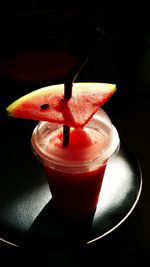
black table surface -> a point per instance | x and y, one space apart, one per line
27 217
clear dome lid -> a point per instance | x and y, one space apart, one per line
88 147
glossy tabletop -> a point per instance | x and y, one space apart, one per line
27 215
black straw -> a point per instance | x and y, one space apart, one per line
68 84
66 135
73 75
68 92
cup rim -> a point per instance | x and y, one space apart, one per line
54 162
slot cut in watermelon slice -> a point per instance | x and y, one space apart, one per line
48 104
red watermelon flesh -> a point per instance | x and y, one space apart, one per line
48 104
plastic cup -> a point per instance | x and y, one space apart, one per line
75 175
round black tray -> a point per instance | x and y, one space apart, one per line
27 215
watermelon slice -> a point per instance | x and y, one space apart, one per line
48 104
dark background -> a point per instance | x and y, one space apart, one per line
122 56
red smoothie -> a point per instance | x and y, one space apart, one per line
75 173
75 195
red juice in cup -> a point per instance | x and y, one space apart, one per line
75 173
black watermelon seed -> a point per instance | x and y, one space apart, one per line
44 106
